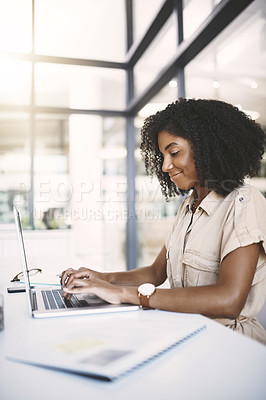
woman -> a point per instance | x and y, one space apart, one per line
214 256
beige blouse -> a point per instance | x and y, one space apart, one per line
198 243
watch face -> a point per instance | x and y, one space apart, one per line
146 289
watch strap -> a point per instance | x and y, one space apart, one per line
144 301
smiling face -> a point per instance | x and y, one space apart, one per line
178 160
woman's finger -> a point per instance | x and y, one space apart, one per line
77 275
77 286
76 290
65 275
76 282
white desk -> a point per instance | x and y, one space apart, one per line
216 364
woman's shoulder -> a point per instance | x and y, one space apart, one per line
245 221
249 209
247 193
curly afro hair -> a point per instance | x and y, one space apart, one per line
228 145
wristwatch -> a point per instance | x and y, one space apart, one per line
144 293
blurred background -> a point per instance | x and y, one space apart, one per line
77 79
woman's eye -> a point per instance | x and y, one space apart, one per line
175 153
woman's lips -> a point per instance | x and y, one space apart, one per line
175 175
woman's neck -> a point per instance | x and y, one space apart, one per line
199 194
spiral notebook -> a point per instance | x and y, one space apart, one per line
112 347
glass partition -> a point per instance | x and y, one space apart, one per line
15 26
97 208
14 167
194 13
143 14
153 212
232 68
80 183
157 55
58 85
15 82
52 189
84 29
79 164
114 192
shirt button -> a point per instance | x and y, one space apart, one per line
241 199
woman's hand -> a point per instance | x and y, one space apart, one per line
67 275
88 281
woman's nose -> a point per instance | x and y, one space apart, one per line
167 165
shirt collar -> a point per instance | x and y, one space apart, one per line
208 204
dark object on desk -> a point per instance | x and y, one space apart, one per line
16 289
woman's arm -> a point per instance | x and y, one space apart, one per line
225 299
155 273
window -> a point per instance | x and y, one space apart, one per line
15 26
69 91
52 189
79 87
232 68
153 212
15 82
195 13
143 14
15 163
156 56
98 209
81 29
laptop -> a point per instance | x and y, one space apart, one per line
50 302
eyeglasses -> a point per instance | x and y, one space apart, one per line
32 271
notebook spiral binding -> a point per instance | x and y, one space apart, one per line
166 350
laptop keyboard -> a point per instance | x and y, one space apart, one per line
54 299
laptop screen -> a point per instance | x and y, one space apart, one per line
23 258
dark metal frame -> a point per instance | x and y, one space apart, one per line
218 20
131 229
222 15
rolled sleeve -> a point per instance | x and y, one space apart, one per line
245 225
